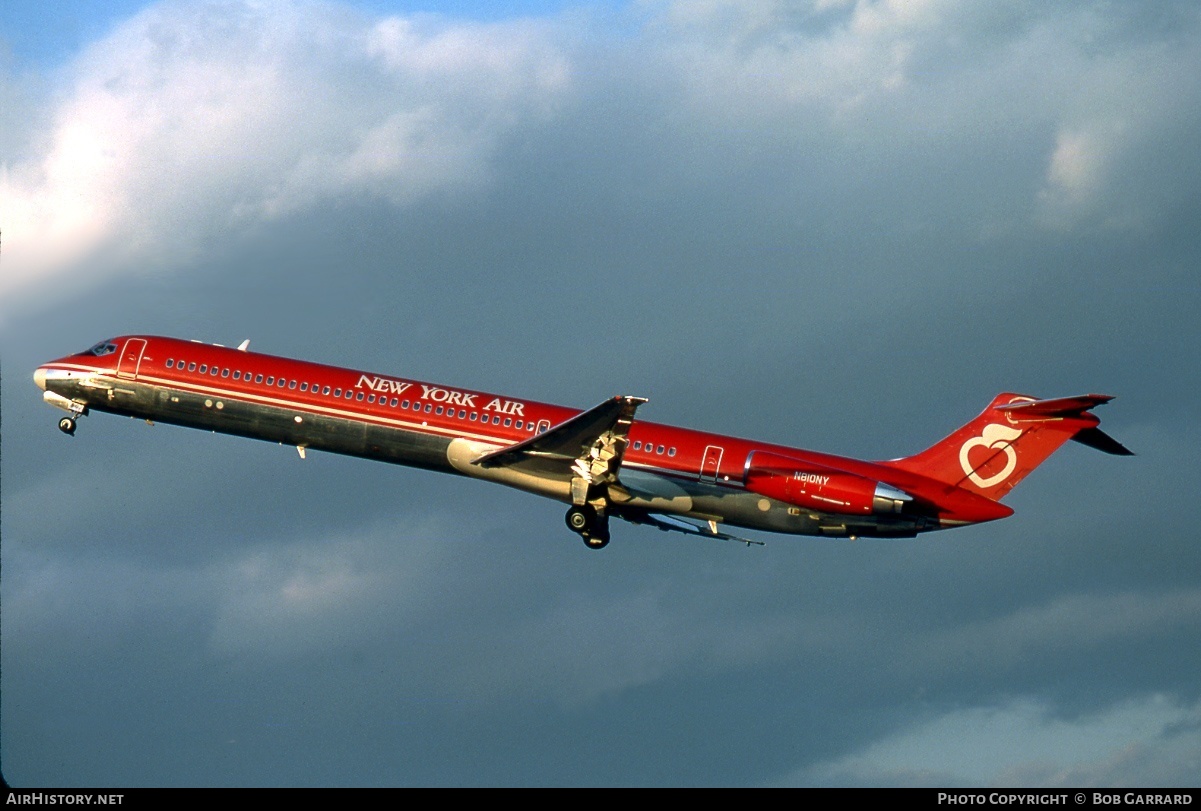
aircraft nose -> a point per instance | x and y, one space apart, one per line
39 377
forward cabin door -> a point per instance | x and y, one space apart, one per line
131 358
711 463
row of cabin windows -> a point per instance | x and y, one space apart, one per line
351 394
650 447
464 414
415 405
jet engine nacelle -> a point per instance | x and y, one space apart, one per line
817 487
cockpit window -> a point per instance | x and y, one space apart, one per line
102 348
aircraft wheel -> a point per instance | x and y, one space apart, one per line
67 426
580 519
594 542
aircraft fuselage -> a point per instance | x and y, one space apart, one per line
660 471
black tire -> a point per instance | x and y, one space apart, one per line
67 426
580 519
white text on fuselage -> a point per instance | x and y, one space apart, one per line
812 478
385 385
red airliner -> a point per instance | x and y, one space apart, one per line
602 462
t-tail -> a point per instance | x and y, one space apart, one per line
1010 438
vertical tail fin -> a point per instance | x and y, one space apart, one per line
1010 438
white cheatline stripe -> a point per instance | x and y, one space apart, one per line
305 408
358 416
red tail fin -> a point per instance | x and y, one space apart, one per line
1014 435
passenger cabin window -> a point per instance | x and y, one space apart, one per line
258 378
225 372
204 368
192 366
325 390
170 363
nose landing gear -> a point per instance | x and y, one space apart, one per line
589 525
67 426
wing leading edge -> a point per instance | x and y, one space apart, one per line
589 445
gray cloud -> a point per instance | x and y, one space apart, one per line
191 120
1040 749
839 225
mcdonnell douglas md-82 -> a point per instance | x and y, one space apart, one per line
601 462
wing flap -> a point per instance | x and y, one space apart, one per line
669 523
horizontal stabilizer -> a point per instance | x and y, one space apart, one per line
1096 438
1069 407
1057 407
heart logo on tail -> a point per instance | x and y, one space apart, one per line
993 437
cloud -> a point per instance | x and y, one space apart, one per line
1053 110
192 124
1070 625
1077 168
325 595
838 224
1025 742
588 647
192 121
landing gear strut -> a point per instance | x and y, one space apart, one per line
67 426
593 528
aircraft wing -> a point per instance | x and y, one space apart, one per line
669 523
588 447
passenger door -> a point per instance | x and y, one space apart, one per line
711 463
131 358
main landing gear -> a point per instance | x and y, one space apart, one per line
67 426
585 522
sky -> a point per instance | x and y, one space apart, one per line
834 224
